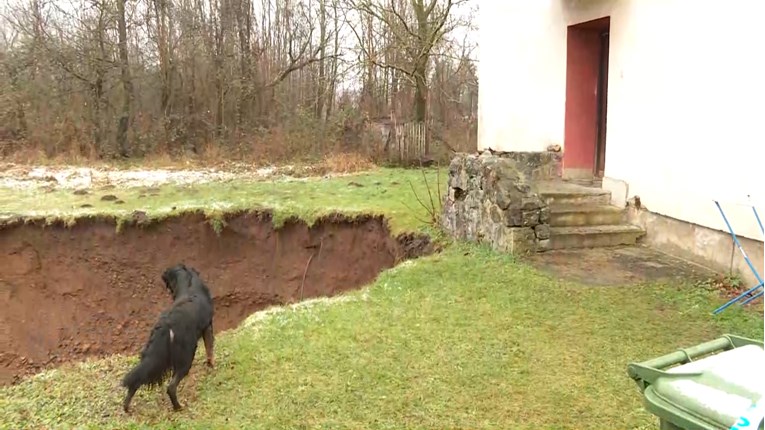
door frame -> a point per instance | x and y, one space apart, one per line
584 146
602 121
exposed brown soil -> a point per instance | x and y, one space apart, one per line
87 290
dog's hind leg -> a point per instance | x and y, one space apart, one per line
209 340
172 387
128 399
183 358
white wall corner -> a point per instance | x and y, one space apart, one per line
619 191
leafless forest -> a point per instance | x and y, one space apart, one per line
234 79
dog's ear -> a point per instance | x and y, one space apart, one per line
169 280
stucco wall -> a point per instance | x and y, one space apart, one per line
686 97
520 102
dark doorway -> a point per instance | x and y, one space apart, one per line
586 99
600 149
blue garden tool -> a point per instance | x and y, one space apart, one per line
753 290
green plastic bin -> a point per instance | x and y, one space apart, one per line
717 385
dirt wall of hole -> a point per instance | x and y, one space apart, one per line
88 290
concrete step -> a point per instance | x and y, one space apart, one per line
580 215
595 236
562 193
592 182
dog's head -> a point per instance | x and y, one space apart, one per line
177 279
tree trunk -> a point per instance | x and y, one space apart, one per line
218 28
321 86
421 90
127 83
163 49
98 87
336 51
243 20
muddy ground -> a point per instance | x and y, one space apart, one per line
86 290
618 266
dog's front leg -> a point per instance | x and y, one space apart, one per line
209 339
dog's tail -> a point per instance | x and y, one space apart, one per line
155 361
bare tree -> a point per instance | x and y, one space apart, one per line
126 78
416 37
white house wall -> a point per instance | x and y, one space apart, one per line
686 100
519 73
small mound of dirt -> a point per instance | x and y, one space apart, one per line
413 245
87 290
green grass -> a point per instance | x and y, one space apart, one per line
464 339
383 191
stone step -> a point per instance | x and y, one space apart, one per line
580 215
592 182
562 193
595 236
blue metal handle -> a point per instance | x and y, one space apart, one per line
756 215
746 258
734 300
753 297
738 244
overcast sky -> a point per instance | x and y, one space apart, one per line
348 39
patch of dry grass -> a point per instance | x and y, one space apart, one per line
210 156
347 162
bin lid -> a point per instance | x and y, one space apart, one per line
730 382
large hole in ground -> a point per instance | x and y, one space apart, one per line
87 290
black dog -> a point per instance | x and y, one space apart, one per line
173 340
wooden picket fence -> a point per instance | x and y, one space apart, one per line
406 143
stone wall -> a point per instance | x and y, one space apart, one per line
492 199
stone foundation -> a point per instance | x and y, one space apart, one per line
707 247
492 199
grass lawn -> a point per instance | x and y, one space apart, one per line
382 191
466 339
